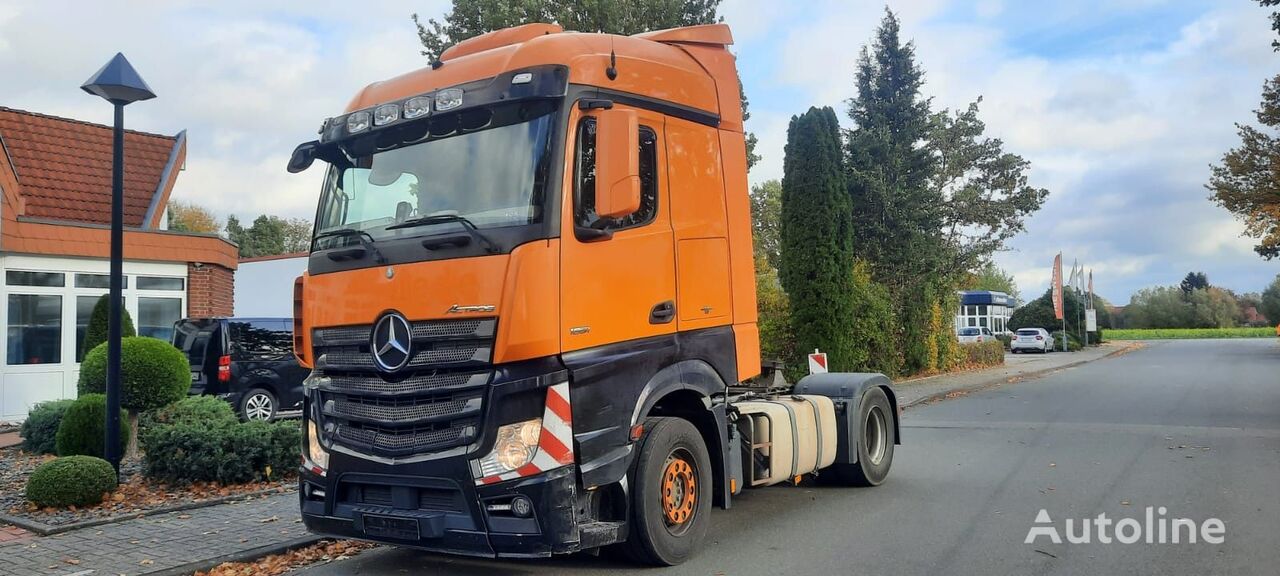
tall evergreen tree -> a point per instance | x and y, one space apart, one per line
817 258
897 215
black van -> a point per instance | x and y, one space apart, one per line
248 362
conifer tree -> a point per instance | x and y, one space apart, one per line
817 258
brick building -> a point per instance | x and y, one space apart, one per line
55 216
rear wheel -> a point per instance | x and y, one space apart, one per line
875 442
671 499
258 404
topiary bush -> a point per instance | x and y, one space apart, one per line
213 450
40 430
96 332
71 481
83 427
153 373
195 409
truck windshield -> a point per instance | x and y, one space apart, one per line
492 175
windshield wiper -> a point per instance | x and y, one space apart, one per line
366 244
466 224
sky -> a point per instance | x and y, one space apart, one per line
1120 106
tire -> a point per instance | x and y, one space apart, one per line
666 529
258 404
875 442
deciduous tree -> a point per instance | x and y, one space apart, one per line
1246 181
766 221
993 278
190 217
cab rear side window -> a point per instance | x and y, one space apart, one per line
584 187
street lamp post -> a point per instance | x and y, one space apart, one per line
119 84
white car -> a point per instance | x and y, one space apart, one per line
1037 339
971 334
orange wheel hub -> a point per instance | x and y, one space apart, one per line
679 491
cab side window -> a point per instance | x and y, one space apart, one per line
584 185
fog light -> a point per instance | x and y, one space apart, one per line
521 507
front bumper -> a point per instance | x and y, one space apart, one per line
440 514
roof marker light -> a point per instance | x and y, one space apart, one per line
386 114
448 99
358 122
522 78
417 106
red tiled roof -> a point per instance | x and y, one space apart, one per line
63 168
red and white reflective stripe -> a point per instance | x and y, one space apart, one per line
555 445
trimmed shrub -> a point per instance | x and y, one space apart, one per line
40 430
229 453
71 481
1005 339
1073 343
84 425
989 353
96 332
194 409
152 373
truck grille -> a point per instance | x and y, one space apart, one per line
433 404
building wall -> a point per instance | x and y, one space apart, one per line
211 291
264 288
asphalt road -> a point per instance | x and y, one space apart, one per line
1193 426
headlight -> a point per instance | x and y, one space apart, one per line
386 114
448 99
515 446
317 457
417 106
358 122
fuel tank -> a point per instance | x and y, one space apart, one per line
785 437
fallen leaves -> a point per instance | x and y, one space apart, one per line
327 551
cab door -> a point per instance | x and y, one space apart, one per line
618 275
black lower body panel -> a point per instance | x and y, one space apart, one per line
438 514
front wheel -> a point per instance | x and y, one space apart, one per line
875 442
671 500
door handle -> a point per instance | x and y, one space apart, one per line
662 312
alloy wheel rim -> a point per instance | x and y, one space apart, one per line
258 407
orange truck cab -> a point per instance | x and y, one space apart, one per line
530 311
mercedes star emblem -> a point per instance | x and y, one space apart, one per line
391 342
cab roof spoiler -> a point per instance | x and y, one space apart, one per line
712 34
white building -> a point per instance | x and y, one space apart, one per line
985 308
55 199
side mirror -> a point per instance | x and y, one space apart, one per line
617 163
303 156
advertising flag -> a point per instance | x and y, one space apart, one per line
1057 286
1091 288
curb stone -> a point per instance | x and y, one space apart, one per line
1018 378
42 529
242 556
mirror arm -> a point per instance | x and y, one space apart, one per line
587 234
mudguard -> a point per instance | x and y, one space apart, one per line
846 389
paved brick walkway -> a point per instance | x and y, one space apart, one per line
157 542
8 439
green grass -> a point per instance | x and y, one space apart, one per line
1184 333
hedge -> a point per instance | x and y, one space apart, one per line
40 430
204 410
229 453
71 481
152 373
83 427
989 353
